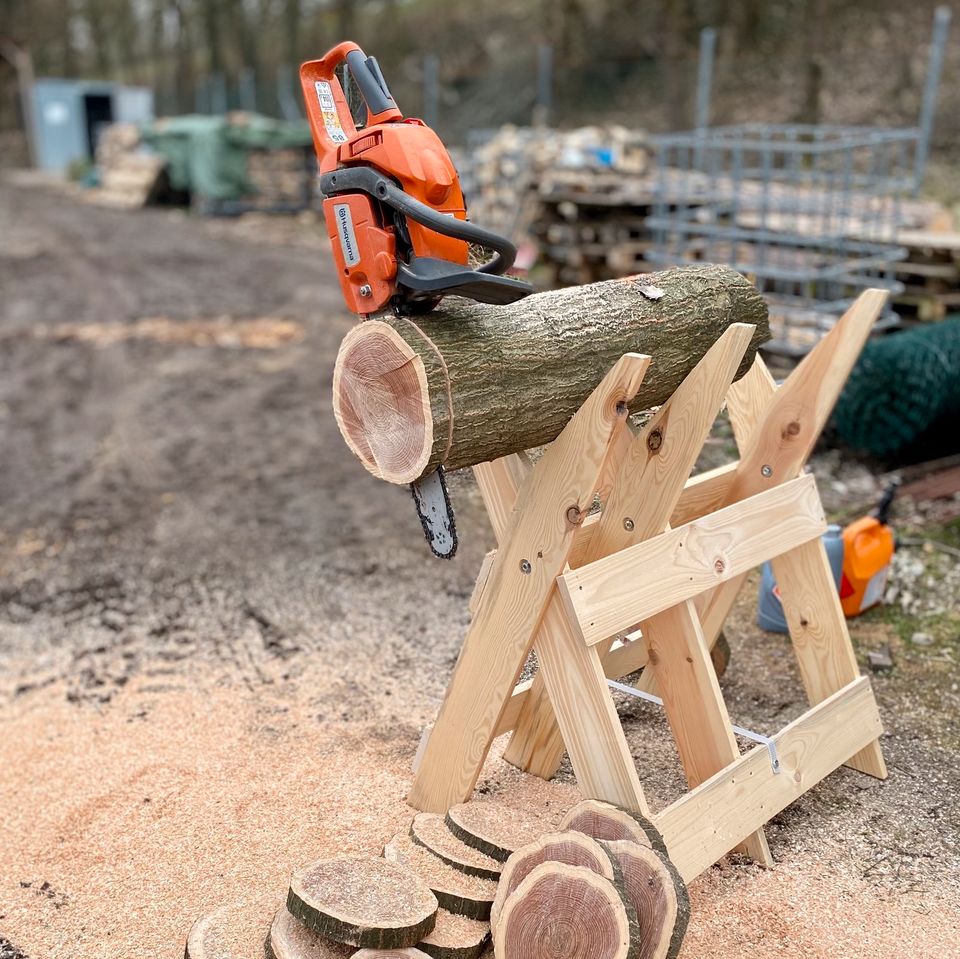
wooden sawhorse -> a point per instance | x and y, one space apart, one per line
666 555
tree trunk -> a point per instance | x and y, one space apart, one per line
469 383
591 917
363 902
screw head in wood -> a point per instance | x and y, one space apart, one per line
766 470
628 524
525 566
655 440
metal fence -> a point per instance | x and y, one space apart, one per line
811 213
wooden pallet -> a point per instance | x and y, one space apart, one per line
669 554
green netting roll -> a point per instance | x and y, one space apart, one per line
901 385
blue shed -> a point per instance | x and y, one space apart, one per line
69 114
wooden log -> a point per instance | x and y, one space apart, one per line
658 895
495 829
289 938
430 830
456 937
572 848
457 892
565 912
601 820
363 902
469 383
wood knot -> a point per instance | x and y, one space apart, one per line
792 429
574 516
720 566
655 440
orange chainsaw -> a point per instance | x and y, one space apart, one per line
393 205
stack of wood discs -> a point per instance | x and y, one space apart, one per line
598 887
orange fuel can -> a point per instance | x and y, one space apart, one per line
868 546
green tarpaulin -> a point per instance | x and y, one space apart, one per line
207 155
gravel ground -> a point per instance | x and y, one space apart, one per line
220 638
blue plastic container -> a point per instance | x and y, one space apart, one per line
770 609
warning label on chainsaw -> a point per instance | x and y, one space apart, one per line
348 239
328 107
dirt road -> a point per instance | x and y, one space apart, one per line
220 638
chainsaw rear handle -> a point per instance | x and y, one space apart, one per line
367 180
367 75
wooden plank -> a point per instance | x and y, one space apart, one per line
621 590
703 494
536 544
585 714
819 633
706 823
747 400
680 659
641 494
500 482
795 415
478 587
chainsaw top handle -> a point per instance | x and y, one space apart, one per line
332 122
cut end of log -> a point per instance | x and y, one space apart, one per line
363 902
456 937
430 831
382 402
569 848
564 912
601 820
655 890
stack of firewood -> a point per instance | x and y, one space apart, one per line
129 174
597 885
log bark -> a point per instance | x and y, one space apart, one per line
600 820
658 895
456 937
363 902
565 912
570 848
290 939
456 892
469 382
430 831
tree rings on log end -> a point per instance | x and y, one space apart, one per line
430 830
601 820
363 902
570 848
381 400
657 892
564 912
456 892
290 939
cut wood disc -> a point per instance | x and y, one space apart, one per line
430 830
657 893
363 902
456 937
601 820
290 939
209 939
496 830
564 912
571 848
457 892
